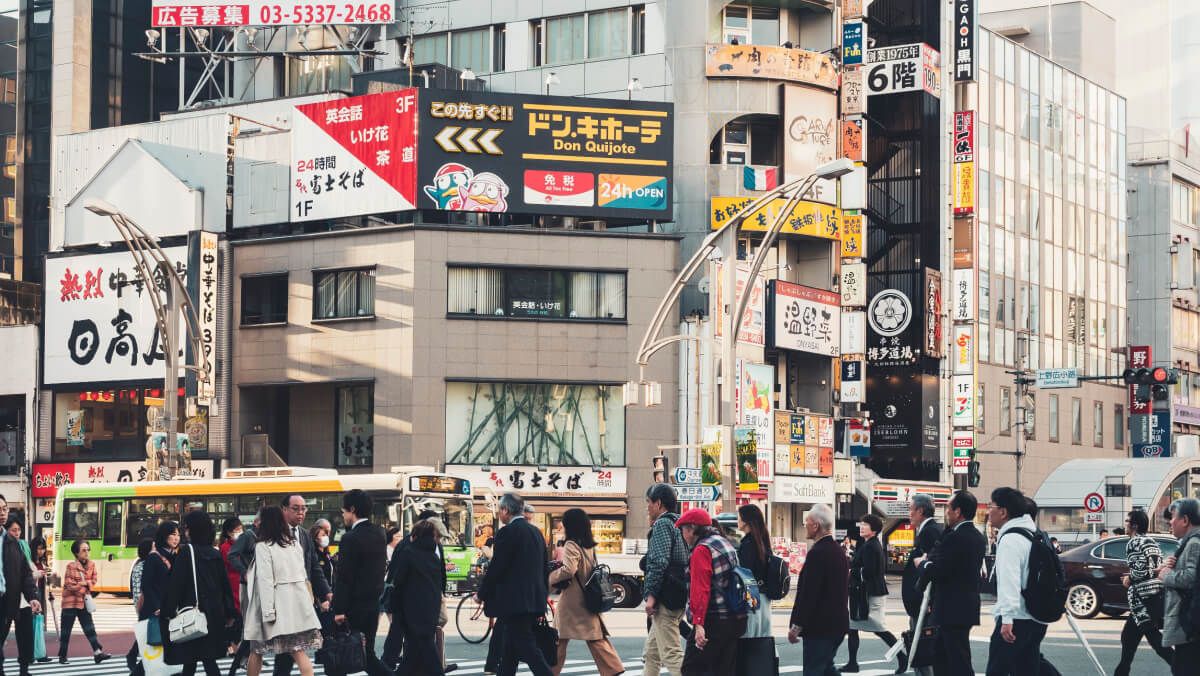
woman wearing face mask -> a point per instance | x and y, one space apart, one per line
231 530
320 537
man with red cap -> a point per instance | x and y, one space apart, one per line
712 648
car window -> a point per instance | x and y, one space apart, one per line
1168 546
1116 549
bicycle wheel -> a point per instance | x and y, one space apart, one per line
473 626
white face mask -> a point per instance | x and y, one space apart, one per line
323 540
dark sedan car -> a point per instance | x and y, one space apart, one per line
1094 575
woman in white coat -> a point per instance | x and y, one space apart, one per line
279 615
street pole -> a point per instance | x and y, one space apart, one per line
171 381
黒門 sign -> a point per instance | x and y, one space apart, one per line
99 321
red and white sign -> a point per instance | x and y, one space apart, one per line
171 13
1139 358
554 481
1094 502
356 156
559 188
964 136
48 476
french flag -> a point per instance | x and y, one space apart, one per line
760 178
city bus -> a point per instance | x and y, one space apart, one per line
114 517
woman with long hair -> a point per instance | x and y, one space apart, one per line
575 621
280 617
866 576
1145 592
156 572
41 572
754 552
198 580
78 581
231 530
321 534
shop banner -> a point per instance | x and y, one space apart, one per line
771 63
853 101
99 321
964 136
805 319
843 476
202 288
803 490
934 331
963 346
530 154
903 68
854 36
852 9
854 284
964 188
889 315
852 234
853 388
964 242
962 307
806 218
810 140
893 498
852 139
1139 358
356 156
756 401
554 481
964 40
745 441
753 328
964 401
49 476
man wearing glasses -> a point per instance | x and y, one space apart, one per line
294 511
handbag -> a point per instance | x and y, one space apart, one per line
89 604
189 623
926 651
546 638
342 652
860 603
756 657
39 636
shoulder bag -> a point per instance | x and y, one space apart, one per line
673 593
189 623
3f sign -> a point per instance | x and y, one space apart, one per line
405 103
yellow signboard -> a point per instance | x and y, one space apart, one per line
807 218
772 63
964 188
852 235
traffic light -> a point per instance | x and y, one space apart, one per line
1151 383
661 469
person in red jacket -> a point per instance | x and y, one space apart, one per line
821 613
712 649
231 530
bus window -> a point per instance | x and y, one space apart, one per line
81 520
145 514
112 522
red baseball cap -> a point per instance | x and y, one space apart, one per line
694 517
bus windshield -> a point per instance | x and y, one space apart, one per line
455 513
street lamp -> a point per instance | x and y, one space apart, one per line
551 79
635 85
148 256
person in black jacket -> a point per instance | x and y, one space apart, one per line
294 510
18 583
514 589
867 567
419 577
953 568
360 574
820 614
206 586
926 533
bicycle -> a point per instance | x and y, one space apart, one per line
474 626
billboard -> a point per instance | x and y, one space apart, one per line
853 41
771 63
489 152
354 156
810 137
903 68
806 218
805 319
173 13
753 329
99 321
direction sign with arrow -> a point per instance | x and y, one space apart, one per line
1094 502
698 493
454 139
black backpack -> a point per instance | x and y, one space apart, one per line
779 578
1045 590
599 595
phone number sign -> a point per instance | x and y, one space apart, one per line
168 14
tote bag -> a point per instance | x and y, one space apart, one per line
153 656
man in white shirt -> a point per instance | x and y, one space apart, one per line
1017 639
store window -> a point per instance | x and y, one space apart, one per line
512 423
604 34
536 293
608 34
748 140
355 425
565 39
111 424
751 25
471 50
343 294
264 299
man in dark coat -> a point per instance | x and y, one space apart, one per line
419 577
294 510
18 582
926 533
953 568
514 589
359 578
821 612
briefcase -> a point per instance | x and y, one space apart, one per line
926 648
342 651
756 657
546 637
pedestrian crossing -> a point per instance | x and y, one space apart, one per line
81 666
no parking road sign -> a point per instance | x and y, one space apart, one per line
1094 502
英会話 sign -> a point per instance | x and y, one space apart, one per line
1049 379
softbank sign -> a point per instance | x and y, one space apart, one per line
803 490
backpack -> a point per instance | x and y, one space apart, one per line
599 594
779 578
1045 591
741 592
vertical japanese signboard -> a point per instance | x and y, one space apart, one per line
1139 358
355 156
964 40
202 287
964 163
934 333
99 322
854 37
852 91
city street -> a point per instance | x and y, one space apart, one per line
1061 648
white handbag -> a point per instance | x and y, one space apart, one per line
189 623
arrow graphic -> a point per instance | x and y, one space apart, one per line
466 140
472 140
445 139
487 141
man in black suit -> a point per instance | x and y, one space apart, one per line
926 533
294 510
362 555
953 568
514 589
18 582
821 614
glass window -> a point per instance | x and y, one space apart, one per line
146 513
1115 549
565 39
535 293
429 49
108 424
1097 423
470 50
344 293
355 425
608 34
1076 421
1118 426
979 410
81 520
737 25
1005 411
544 293
638 30
499 44
1052 421
113 510
764 26
764 143
264 299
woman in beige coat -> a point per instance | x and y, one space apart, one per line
575 621
279 615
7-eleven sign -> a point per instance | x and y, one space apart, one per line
354 156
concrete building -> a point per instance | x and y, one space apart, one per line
1051 263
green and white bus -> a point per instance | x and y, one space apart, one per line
113 517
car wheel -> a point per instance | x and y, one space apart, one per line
1082 601
628 594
